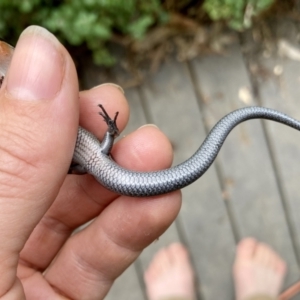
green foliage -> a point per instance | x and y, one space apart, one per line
94 22
238 13
82 21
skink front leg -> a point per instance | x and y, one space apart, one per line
111 133
107 142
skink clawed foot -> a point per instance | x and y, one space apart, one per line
111 123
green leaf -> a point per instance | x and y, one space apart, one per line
138 28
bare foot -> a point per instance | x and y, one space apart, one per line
257 270
170 274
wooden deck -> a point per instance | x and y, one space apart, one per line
253 188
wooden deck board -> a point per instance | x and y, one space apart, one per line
286 152
253 187
281 92
126 287
244 160
203 218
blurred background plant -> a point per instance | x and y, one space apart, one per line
92 23
238 13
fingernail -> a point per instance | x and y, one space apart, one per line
148 125
110 84
37 68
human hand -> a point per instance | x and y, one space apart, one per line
40 206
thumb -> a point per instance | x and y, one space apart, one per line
38 128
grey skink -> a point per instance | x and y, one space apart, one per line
93 157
